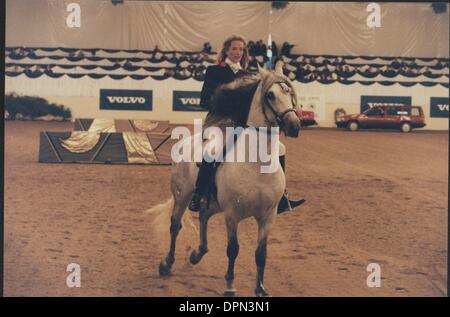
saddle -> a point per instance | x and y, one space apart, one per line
206 179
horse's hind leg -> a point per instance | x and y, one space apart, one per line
175 226
261 254
182 187
232 253
180 202
198 254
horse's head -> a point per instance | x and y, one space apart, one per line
280 100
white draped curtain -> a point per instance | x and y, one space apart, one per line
407 29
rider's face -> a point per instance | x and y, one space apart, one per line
236 51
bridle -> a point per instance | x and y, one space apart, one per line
279 116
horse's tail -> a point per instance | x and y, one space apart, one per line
166 206
163 213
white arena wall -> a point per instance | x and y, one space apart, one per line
333 96
82 96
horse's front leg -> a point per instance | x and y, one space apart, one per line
232 253
261 253
260 259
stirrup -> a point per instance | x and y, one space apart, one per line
195 203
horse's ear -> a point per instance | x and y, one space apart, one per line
263 72
279 67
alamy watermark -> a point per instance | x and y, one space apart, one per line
73 19
374 278
374 18
262 146
74 278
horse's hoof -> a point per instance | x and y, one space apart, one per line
195 257
230 293
164 268
261 292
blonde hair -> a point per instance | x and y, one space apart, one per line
227 44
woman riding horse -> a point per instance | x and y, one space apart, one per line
231 64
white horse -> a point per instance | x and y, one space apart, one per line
242 190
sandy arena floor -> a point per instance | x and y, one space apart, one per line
371 197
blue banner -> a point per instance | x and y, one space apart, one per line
439 107
126 99
186 101
370 101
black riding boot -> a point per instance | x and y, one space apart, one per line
201 185
285 203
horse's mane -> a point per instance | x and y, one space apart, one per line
231 102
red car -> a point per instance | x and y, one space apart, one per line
404 118
307 118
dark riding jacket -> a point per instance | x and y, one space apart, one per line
215 76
